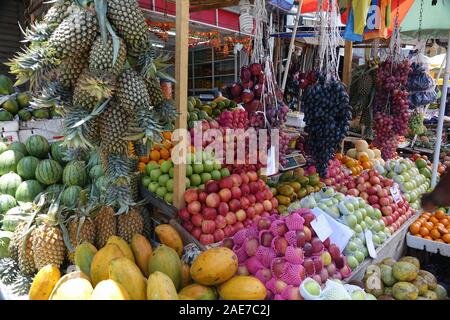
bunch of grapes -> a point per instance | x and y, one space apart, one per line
391 105
277 115
257 120
327 115
285 149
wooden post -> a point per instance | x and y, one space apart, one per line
181 91
348 57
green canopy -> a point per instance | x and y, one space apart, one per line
435 20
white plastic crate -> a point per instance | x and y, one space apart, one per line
55 125
10 136
9 126
51 136
428 245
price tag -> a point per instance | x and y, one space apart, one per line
321 227
395 192
369 244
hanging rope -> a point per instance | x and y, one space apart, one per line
394 46
260 15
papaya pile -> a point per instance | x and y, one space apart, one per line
120 271
197 110
402 280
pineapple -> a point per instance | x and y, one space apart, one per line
75 35
154 90
79 234
21 286
135 181
105 225
101 57
26 254
16 240
83 136
48 244
129 224
147 221
57 12
113 125
9 270
129 21
70 70
131 91
119 194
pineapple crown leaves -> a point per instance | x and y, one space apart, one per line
97 86
153 65
52 94
36 33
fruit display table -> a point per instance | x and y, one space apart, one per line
394 247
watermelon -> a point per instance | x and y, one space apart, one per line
48 172
26 167
71 196
58 152
13 217
19 147
96 172
54 190
75 174
6 202
41 113
101 182
28 190
24 115
9 160
37 146
5 115
3 147
5 237
6 85
9 183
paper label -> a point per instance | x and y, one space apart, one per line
321 227
369 244
271 168
341 234
395 192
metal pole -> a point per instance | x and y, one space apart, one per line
291 45
437 148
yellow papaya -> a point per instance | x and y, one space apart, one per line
214 266
160 287
185 275
123 245
84 253
167 261
127 273
242 288
283 200
74 289
65 278
295 185
170 237
142 250
199 292
109 290
285 190
101 260
44 282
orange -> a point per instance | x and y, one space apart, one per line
440 214
167 135
421 220
363 158
161 161
156 147
167 145
444 221
433 220
429 225
424 232
155 155
165 154
435 234
414 228
367 165
141 167
446 237
425 216
418 235
339 156
428 238
144 159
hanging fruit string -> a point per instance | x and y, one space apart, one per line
260 15
395 46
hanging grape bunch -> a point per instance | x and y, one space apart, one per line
391 106
327 115
415 124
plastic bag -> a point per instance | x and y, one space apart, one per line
418 79
422 98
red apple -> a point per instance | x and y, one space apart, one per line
212 186
386 210
262 185
374 180
259 208
384 201
266 238
197 220
268 194
334 251
251 246
225 195
206 239
236 193
251 212
317 245
194 207
196 232
252 198
308 233
230 217
264 224
213 200
241 215
278 267
318 264
253 176
308 218
209 213
307 249
191 195
238 226
364 195
208 226
280 245
245 203
301 238
245 189
229 231
373 199
274 202
382 193
245 178
372 191
221 222
202 196
260 197
237 180
223 208
254 187
188 225
234 205
184 214
219 235
353 192
226 183
308 264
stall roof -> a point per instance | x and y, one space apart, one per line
200 5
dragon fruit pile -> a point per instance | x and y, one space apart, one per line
283 251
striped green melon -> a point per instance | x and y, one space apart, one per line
58 152
26 167
75 174
101 182
48 172
28 190
13 217
3 146
54 190
7 202
9 160
37 146
96 172
19 147
9 183
71 196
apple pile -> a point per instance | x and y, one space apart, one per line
376 191
282 251
226 206
337 174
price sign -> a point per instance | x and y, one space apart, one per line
321 227
395 192
369 244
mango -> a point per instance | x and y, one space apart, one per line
160 287
44 282
170 237
296 186
283 200
74 289
404 271
142 250
123 245
109 290
185 275
285 190
242 288
127 273
405 291
84 253
167 261
65 278
214 266
198 292
100 263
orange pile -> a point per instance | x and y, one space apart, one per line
160 152
355 166
432 227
